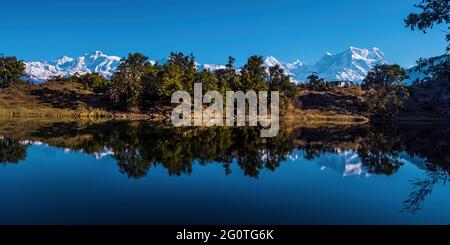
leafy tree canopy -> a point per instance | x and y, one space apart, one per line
385 90
127 83
434 12
11 70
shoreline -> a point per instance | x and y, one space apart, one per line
296 117
70 101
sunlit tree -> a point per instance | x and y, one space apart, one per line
385 90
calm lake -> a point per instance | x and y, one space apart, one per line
140 173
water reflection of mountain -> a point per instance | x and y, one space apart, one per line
346 163
136 146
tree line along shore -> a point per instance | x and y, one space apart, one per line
142 89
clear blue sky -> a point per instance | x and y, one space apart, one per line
213 30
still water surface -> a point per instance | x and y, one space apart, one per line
139 173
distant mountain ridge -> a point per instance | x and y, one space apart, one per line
351 65
415 74
64 66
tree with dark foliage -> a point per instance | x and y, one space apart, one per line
386 92
316 83
11 70
253 75
127 83
434 12
279 81
92 81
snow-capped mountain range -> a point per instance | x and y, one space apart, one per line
348 162
352 64
64 66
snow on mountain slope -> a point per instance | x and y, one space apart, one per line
210 67
415 74
352 64
288 68
64 66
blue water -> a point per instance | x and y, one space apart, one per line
57 186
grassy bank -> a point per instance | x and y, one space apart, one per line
70 101
58 100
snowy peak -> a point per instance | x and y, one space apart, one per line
377 54
352 64
370 56
64 66
294 64
210 67
272 61
97 54
62 60
357 53
289 68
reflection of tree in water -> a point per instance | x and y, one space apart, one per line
377 147
317 141
421 188
254 153
315 151
11 151
138 146
128 152
431 143
379 152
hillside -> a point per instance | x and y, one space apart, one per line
350 65
428 102
56 100
339 105
70 100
